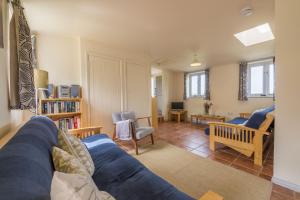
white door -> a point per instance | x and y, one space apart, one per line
105 90
138 87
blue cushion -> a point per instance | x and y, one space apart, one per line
26 167
258 117
126 178
237 120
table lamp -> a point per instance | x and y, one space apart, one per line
41 84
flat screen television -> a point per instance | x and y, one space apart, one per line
177 106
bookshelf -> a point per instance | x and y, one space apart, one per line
65 112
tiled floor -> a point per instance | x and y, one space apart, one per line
192 138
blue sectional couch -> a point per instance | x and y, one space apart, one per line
26 167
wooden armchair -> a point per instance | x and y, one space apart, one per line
138 133
85 132
241 138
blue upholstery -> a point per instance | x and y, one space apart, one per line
237 120
126 178
258 117
26 167
255 120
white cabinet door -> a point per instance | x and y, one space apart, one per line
138 89
105 90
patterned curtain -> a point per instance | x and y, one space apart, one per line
22 93
274 78
243 82
185 88
207 88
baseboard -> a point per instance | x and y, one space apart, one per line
4 130
286 184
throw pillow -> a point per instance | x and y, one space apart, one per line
66 163
75 147
76 187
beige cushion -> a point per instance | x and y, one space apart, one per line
75 147
76 187
66 163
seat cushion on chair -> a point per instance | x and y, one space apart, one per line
237 120
143 132
258 117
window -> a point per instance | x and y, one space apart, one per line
261 78
196 84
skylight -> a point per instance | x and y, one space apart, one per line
256 35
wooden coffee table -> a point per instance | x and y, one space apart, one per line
207 118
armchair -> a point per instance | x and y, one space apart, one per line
138 133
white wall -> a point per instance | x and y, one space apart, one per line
60 56
287 135
4 112
224 83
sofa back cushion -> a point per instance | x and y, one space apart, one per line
26 166
258 117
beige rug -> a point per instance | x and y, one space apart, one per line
195 175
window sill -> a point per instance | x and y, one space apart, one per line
255 97
195 97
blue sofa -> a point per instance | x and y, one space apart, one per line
255 120
26 167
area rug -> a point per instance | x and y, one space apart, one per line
195 175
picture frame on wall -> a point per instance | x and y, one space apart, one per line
1 25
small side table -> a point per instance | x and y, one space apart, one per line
178 113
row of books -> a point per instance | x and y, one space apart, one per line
68 123
60 107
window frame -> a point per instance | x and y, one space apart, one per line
199 74
266 78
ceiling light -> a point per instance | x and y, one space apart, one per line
195 62
256 35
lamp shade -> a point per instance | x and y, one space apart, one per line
195 62
40 78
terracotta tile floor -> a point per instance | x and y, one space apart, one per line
192 138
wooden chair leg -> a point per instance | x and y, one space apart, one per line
152 139
135 144
212 145
258 150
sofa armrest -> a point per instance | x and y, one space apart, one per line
85 132
211 196
229 126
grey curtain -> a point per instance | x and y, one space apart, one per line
207 88
21 87
243 96
184 83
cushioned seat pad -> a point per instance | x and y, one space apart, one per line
237 120
126 178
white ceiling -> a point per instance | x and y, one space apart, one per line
170 31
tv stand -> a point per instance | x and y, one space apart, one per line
178 113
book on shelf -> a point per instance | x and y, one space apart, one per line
60 107
68 123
